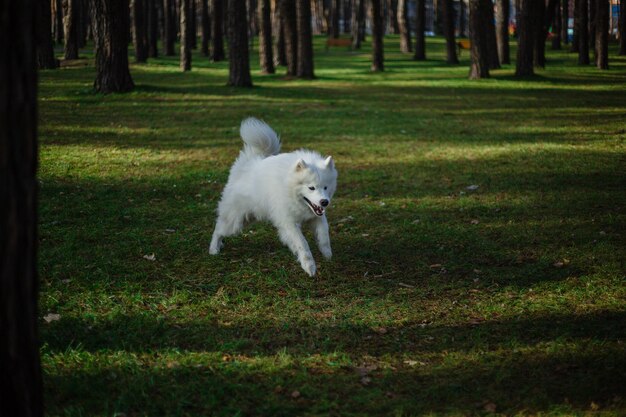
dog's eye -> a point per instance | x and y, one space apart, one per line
311 188
326 188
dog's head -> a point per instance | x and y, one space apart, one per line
317 183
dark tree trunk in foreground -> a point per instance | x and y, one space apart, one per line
139 30
45 47
490 31
525 43
266 59
420 27
377 37
622 28
502 31
70 28
20 369
583 34
217 35
448 30
305 40
479 54
153 28
110 21
205 24
169 28
239 60
290 28
564 21
185 35
403 26
602 34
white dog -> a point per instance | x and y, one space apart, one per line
287 189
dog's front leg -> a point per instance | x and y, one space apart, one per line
292 236
323 239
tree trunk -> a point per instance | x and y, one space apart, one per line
20 367
185 35
403 26
583 34
290 28
217 35
70 28
539 37
305 40
622 27
111 23
280 59
392 26
193 38
462 14
576 37
592 28
490 31
479 54
139 30
602 34
239 59
169 28
45 47
266 60
206 28
525 42
564 21
420 28
58 21
448 30
377 36
502 31
357 15
334 19
153 29
556 27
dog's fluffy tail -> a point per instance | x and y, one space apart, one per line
259 138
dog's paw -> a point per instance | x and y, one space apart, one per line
326 252
308 265
214 248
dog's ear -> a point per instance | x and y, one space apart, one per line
329 163
301 165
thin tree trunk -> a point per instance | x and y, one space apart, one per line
334 19
266 60
357 16
169 28
239 60
305 40
392 26
403 26
490 31
564 21
280 58
45 47
153 29
185 35
592 28
377 37
70 28
539 37
448 28
139 30
20 366
111 23
217 35
206 28
502 31
556 27
525 43
576 36
479 54
193 37
462 16
420 27
58 21
602 34
290 28
622 28
583 35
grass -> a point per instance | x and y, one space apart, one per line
506 300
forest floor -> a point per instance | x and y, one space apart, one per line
478 238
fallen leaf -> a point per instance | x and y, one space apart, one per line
380 330
472 187
475 221
49 318
366 380
435 266
295 394
151 257
490 407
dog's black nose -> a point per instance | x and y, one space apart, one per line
324 202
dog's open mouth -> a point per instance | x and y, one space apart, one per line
318 210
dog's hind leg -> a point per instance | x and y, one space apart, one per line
292 236
323 239
227 225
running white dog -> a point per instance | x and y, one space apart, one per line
287 189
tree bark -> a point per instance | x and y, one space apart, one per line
448 30
20 368
45 47
525 42
290 28
70 28
602 34
479 54
403 26
576 38
334 19
377 37
139 30
564 21
217 35
622 28
169 28
539 10
583 34
58 21
502 31
266 59
420 27
462 15
239 59
206 27
490 31
305 40
153 28
193 14
592 28
278 29
185 35
358 23
111 23
392 26
556 26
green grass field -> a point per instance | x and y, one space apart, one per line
506 300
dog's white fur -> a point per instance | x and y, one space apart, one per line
287 189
